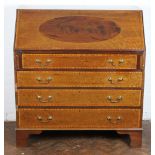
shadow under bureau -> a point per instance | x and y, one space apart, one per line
79 70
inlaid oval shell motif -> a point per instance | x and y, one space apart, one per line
81 29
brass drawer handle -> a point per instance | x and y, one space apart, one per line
40 99
46 81
111 62
115 81
118 99
114 121
121 61
40 119
39 62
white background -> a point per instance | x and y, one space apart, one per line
9 24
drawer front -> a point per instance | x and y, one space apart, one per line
78 118
78 79
79 97
77 61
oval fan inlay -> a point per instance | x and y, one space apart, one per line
81 29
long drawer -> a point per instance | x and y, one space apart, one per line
77 61
78 118
78 97
78 79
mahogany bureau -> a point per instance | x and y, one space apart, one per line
79 70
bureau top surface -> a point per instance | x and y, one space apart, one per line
79 30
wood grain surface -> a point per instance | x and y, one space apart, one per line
78 79
129 23
78 118
78 97
82 29
79 70
79 61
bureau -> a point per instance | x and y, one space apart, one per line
79 70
